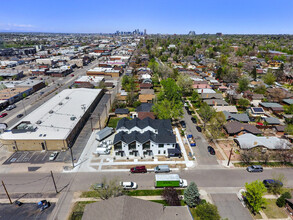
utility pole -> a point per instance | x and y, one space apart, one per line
71 157
54 182
230 156
6 192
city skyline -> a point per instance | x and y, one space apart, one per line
165 17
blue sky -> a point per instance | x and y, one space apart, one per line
157 16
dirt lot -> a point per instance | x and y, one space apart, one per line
226 146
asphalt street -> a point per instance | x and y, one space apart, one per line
215 180
201 153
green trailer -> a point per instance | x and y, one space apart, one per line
169 180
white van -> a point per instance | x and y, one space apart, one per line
162 169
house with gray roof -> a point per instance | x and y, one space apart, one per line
288 101
126 208
205 96
272 121
236 117
249 141
216 102
235 127
272 106
146 137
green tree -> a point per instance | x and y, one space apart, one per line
206 113
207 211
261 89
216 125
243 103
289 109
243 83
254 195
185 84
219 73
254 73
170 90
194 96
108 189
168 109
191 195
269 78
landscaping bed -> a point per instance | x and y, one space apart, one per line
268 164
273 211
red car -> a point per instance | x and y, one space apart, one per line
3 115
138 169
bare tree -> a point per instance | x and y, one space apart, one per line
107 189
246 156
171 196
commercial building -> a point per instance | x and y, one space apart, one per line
55 124
98 71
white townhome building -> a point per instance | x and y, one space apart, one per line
147 137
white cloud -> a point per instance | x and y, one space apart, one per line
21 27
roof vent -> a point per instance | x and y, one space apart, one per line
44 135
51 111
40 135
60 103
39 122
67 97
72 118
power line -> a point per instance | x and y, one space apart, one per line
17 184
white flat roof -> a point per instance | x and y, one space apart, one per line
58 124
95 79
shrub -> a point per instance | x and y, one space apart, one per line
281 201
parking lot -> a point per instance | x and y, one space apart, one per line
33 157
26 211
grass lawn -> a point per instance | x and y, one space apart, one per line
78 210
156 192
113 122
268 164
89 194
273 211
257 216
192 210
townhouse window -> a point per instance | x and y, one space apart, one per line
159 152
118 146
146 145
161 145
132 146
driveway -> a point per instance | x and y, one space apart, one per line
201 153
230 207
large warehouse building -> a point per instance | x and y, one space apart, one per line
55 124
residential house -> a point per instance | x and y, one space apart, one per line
236 117
288 101
146 98
256 111
230 108
216 102
147 137
272 121
235 127
126 208
249 141
122 112
145 86
280 130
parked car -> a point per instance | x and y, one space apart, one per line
138 169
272 183
10 107
193 120
128 185
183 125
42 205
18 203
241 197
100 186
198 128
19 115
211 150
162 169
188 112
254 168
72 75
3 115
53 155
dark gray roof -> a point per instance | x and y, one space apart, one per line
163 136
237 117
160 124
269 104
144 107
126 207
288 101
236 127
121 111
272 121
